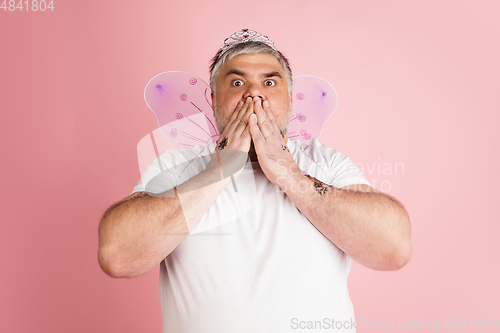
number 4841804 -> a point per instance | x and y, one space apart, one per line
36 5
479 323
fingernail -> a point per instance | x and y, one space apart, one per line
266 103
240 103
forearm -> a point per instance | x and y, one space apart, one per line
371 227
138 233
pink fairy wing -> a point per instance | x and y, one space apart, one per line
314 101
181 104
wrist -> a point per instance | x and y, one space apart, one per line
289 176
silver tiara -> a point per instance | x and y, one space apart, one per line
244 36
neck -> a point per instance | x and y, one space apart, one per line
253 157
252 154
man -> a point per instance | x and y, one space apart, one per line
284 262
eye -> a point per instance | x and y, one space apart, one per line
237 83
269 83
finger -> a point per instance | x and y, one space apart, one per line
270 115
236 116
249 111
261 115
240 128
257 137
243 122
246 132
267 110
244 109
265 125
238 109
242 135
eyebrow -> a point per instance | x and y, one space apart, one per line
235 71
272 74
240 73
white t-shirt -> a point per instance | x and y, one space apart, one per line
254 263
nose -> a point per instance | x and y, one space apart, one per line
253 90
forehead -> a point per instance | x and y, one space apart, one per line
252 64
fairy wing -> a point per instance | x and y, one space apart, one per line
181 104
314 101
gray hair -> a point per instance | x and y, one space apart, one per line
251 47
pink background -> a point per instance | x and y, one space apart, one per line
418 85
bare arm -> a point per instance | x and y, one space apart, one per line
136 234
371 227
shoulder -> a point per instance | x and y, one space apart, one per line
160 173
173 157
314 152
325 163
